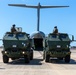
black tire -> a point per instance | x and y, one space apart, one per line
47 57
27 59
31 55
67 59
43 55
13 58
5 59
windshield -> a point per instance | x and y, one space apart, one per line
54 36
63 36
10 35
19 35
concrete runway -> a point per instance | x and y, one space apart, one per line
37 66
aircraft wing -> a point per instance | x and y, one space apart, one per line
24 5
53 6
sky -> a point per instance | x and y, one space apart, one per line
63 18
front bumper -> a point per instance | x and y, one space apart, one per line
17 54
58 53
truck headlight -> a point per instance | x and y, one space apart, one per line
23 52
5 52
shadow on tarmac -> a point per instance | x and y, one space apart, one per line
2 68
38 62
57 61
22 62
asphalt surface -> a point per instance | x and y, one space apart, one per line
37 66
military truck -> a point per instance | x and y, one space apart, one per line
16 45
57 46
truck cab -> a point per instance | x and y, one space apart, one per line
57 46
16 45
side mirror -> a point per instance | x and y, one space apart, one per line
45 44
72 38
1 39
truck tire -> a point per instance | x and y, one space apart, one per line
31 55
5 59
47 57
67 59
13 58
26 58
43 55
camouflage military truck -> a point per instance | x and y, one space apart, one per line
16 45
58 46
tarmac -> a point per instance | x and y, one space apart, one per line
38 66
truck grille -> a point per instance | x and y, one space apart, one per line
14 50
